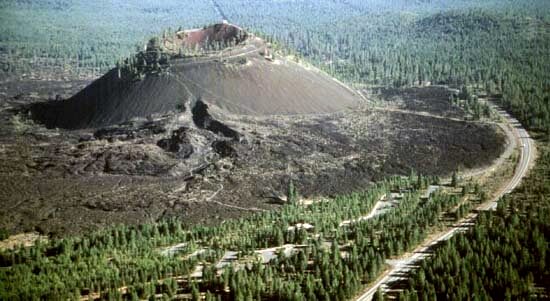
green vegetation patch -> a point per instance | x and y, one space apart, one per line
505 256
339 251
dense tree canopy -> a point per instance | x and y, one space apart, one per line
504 257
331 261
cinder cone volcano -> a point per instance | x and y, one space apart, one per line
223 65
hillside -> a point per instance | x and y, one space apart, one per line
221 64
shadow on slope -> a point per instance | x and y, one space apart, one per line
112 100
242 81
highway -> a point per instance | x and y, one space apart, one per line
400 268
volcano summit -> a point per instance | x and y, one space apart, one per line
222 64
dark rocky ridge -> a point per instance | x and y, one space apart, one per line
204 120
178 143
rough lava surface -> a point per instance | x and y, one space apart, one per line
212 139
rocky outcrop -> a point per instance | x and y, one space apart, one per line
178 144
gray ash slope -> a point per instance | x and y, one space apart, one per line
111 100
240 79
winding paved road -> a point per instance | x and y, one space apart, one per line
400 268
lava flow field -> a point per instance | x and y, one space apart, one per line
214 137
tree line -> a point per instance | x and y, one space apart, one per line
331 261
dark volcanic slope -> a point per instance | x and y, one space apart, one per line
111 100
262 87
239 80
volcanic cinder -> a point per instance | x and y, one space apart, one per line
239 76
